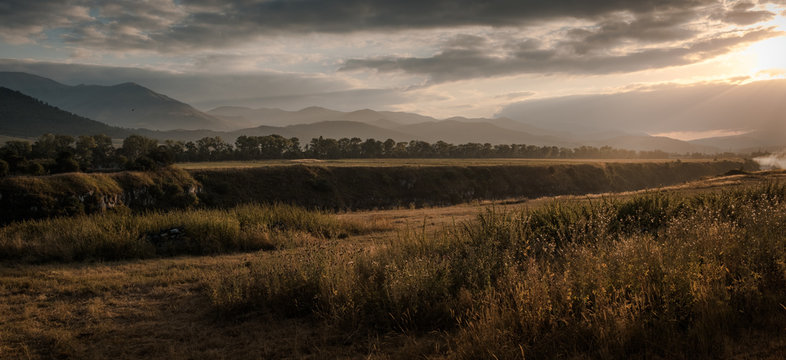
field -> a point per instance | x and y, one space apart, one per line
409 162
689 271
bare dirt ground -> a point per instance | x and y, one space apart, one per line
157 309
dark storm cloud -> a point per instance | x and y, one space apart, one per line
612 36
743 14
162 25
529 56
21 19
644 28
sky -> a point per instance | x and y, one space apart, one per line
437 58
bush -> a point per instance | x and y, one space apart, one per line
66 163
35 169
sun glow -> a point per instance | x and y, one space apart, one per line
769 54
765 59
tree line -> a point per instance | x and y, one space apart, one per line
51 154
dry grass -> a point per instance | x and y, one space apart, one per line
654 275
166 308
411 162
125 235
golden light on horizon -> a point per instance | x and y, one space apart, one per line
769 54
767 58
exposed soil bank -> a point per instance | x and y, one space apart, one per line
389 187
353 188
35 197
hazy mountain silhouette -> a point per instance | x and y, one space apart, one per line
22 115
314 114
649 143
460 132
127 105
757 108
133 106
402 126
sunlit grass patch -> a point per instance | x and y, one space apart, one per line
652 275
126 235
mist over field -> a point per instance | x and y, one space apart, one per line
772 161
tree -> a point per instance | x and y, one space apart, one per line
135 146
443 149
66 163
322 148
176 149
49 146
104 153
162 156
4 168
293 150
272 146
388 146
247 147
371 148
85 145
212 148
17 148
419 149
35 168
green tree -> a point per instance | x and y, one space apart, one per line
104 153
17 148
371 148
66 163
135 146
85 146
293 150
49 146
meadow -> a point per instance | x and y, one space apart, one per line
662 275
392 162
690 271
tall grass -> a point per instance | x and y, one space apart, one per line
126 235
659 274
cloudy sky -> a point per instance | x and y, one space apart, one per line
438 58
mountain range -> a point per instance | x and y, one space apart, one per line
131 108
126 105
753 113
20 115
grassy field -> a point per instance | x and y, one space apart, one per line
410 162
690 271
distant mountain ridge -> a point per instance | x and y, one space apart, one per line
22 115
117 102
756 108
277 117
127 105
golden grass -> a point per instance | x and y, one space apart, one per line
411 162
164 307
125 235
641 277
